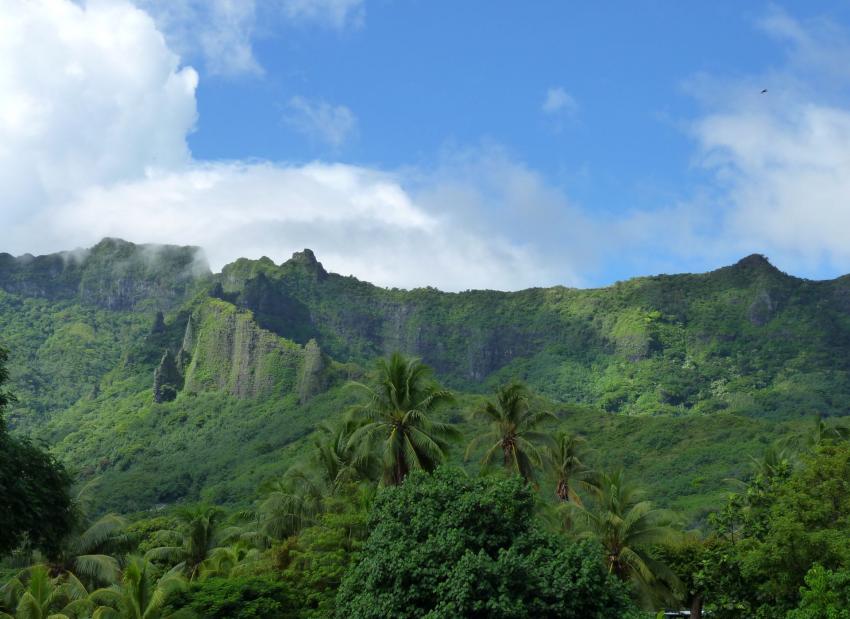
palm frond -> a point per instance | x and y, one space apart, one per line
168 554
102 568
106 529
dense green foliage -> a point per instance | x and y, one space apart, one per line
36 504
778 545
250 597
448 545
263 352
165 389
825 596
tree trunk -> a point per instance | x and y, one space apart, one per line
696 606
563 490
507 449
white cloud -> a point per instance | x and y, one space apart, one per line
73 111
226 41
782 159
559 101
335 13
222 32
332 124
219 31
358 221
92 145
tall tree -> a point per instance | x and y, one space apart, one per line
448 545
627 526
513 432
334 466
35 500
397 418
35 594
187 549
139 595
566 461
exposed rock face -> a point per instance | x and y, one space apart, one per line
166 379
189 336
311 376
230 352
275 309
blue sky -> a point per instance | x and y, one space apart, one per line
457 144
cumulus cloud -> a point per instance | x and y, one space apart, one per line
91 146
76 113
320 120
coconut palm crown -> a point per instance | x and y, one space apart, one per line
627 526
397 418
513 432
566 461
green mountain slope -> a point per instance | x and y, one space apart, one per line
166 382
746 338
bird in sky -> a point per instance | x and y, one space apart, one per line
764 91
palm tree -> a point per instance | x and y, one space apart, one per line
776 461
336 463
90 554
820 431
565 459
627 525
396 419
138 596
188 548
513 431
291 504
34 594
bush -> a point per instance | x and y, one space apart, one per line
446 545
237 598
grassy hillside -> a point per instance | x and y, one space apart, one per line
675 377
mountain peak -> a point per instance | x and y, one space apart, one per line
307 260
757 264
755 261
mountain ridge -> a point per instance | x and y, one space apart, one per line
113 247
169 382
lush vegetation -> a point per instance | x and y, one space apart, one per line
239 452
715 366
36 504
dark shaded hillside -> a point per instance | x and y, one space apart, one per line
169 383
